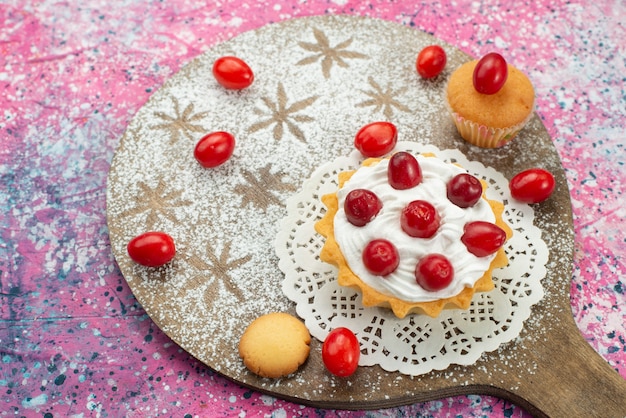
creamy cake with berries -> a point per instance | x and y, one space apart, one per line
413 233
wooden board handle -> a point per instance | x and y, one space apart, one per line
571 379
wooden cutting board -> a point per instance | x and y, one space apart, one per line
550 370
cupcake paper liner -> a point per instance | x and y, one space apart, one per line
486 136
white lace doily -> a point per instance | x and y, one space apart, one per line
415 344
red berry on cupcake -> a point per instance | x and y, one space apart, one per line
490 73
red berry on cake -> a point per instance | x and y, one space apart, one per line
376 139
464 190
434 272
404 171
232 73
483 238
381 257
420 219
490 73
361 206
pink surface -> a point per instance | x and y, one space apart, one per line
73 340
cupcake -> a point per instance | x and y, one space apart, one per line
493 117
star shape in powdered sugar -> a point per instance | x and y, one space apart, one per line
383 99
328 54
157 203
180 123
281 114
259 186
216 271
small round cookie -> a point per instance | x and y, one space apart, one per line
275 345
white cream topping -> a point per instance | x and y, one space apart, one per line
447 240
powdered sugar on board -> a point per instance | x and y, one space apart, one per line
317 81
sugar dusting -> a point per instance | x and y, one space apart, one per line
225 220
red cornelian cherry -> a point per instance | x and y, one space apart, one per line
214 149
490 73
434 272
232 73
403 171
376 139
532 186
361 206
341 352
483 238
420 219
464 190
151 249
381 257
431 61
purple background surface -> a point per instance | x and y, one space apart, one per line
73 339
